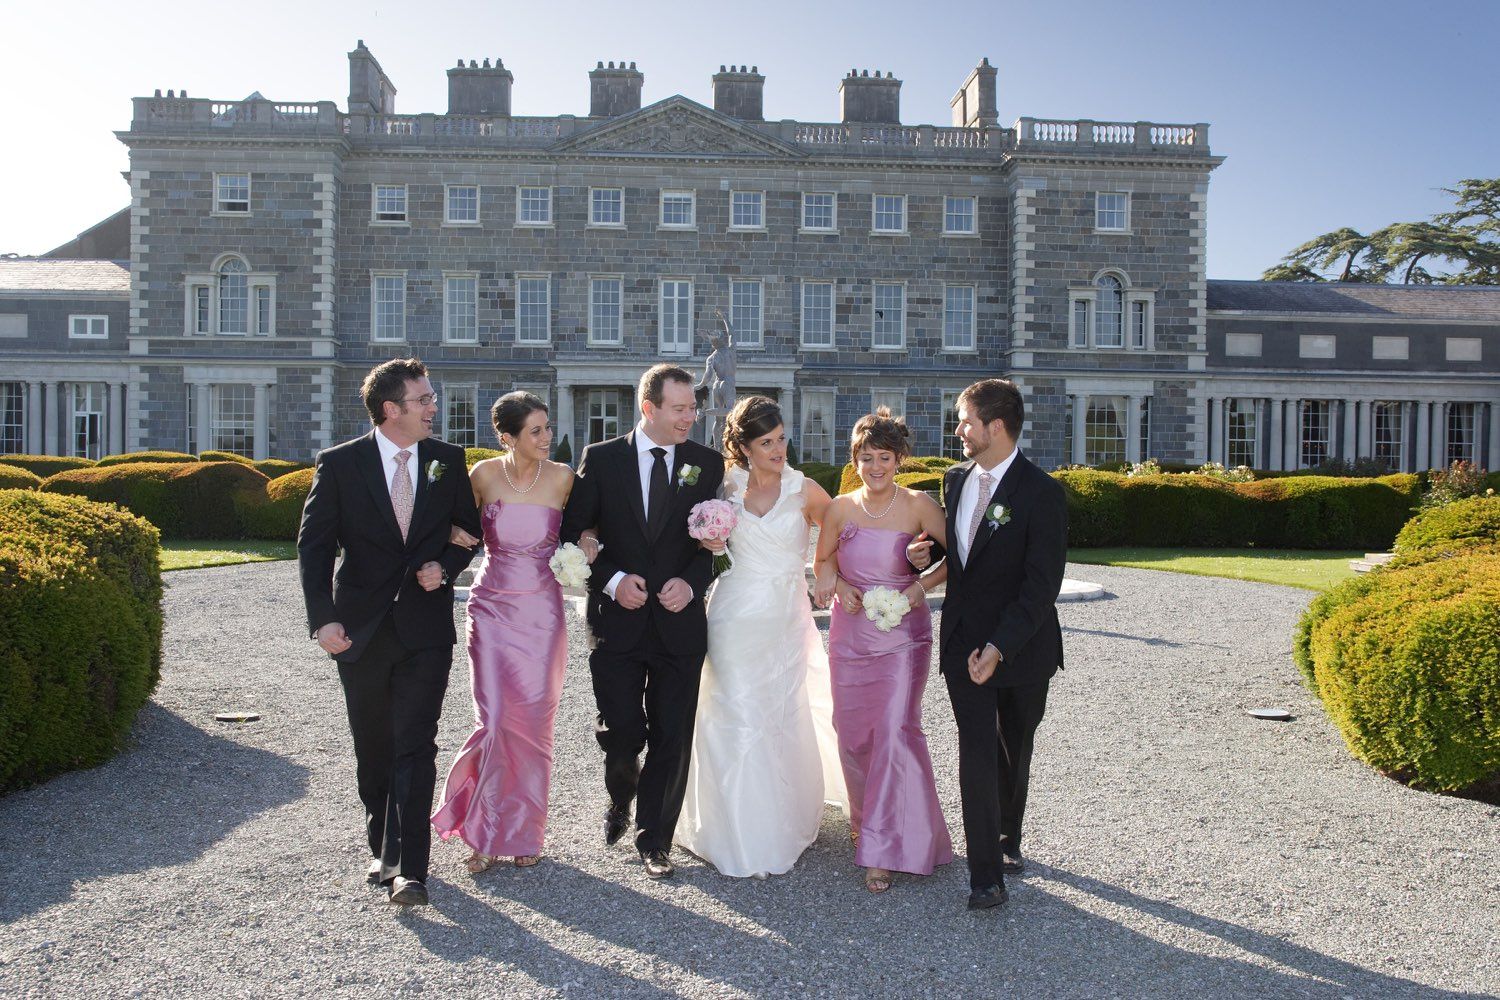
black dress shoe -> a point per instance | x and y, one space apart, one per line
615 822
987 897
658 865
408 891
1012 864
372 873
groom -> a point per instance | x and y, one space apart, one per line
645 605
1000 641
389 500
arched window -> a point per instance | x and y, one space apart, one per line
231 297
1111 314
234 296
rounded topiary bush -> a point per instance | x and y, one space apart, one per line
824 474
80 632
1473 518
223 456
473 456
930 483
938 463
184 500
1325 512
281 515
46 465
1409 671
273 468
15 478
136 457
1096 507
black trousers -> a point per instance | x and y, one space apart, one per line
996 729
647 699
394 696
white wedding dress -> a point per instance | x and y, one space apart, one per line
765 758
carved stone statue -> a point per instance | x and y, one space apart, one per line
715 391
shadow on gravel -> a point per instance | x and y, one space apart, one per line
166 800
1149 640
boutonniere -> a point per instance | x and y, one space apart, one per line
688 476
997 514
435 470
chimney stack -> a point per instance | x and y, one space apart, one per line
370 90
740 93
479 90
872 100
974 104
614 92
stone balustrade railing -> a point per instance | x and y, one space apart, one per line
1043 134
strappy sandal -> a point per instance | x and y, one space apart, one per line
854 836
527 860
478 864
877 880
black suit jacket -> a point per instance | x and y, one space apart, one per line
1006 593
607 497
349 508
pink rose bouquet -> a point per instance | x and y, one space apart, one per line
713 520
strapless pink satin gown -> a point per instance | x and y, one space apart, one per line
495 798
878 680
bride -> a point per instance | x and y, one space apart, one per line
764 756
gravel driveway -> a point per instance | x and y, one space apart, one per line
1178 847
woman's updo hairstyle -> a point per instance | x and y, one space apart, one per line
881 432
510 411
752 417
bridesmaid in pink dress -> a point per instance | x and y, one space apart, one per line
495 798
878 677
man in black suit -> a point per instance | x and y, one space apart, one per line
645 605
389 501
1000 641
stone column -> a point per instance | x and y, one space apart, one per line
565 418
1367 427
1259 455
1404 463
1276 438
116 418
50 418
1133 429
1494 459
1421 447
1080 414
34 418
1439 435
1292 454
1349 449
1214 428
203 418
262 445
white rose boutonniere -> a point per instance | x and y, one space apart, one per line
435 470
997 514
688 476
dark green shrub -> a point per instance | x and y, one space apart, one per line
1096 508
824 474
930 483
136 457
281 515
273 468
1183 510
80 632
473 456
563 452
938 463
223 456
1322 512
46 465
16 478
1474 518
791 454
184 500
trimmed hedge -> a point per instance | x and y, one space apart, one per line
137 457
281 515
1476 518
824 474
223 456
849 480
273 468
930 483
938 463
16 478
473 456
80 632
1327 512
46 465
184 500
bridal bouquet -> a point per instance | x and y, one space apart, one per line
570 566
713 520
885 606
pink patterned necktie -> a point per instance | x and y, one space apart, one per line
982 501
401 498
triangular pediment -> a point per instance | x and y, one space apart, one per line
676 126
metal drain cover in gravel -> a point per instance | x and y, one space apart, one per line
236 716
1270 714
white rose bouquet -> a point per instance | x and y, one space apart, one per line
885 607
570 566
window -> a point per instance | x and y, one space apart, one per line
1139 323
232 426
1104 430
747 210
12 418
890 213
460 309
817 314
820 211
1110 317
1241 425
88 420
606 310
463 205
951 447
958 317
202 315
1109 314
1111 211
1080 321
234 297
818 425
892 399
1146 426
232 194
675 333
958 217
263 310
533 309
388 203
1462 439
607 207
1388 426
88 327
889 329
678 209
533 206
745 312
1315 436
460 415
604 414
388 307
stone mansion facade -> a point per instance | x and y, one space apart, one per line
274 252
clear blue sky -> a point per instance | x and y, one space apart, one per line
1330 113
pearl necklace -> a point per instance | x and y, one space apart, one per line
511 483
876 517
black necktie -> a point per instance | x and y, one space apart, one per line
656 509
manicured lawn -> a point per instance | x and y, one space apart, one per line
1311 570
207 552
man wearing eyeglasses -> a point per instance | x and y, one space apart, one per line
389 501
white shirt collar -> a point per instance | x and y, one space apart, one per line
999 471
389 448
644 444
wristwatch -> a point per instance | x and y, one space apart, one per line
445 578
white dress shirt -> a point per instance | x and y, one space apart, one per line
969 498
644 461
388 464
